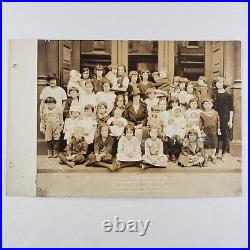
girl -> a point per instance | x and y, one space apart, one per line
145 83
151 100
133 84
102 155
53 91
174 88
223 104
119 104
122 80
72 100
76 150
112 75
202 90
106 96
154 156
210 125
51 125
192 153
190 93
129 150
99 78
102 114
85 77
71 122
89 97
182 95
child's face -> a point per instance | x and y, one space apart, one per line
78 133
75 114
129 134
121 71
176 83
145 76
114 71
182 85
85 74
208 105
155 113
88 112
190 89
89 88
99 72
219 84
104 131
134 78
153 133
74 94
193 105
192 137
163 105
120 102
52 82
51 105
106 87
102 109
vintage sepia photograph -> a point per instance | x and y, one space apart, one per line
138 118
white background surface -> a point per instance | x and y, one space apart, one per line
76 222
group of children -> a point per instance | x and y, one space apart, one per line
118 120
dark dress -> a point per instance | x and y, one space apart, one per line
143 87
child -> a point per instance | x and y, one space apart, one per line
119 104
51 125
223 104
145 83
85 77
89 97
99 78
117 123
202 89
74 80
151 100
122 80
210 125
133 84
112 75
182 95
164 113
71 122
155 121
190 93
154 152
129 150
179 122
53 91
102 114
76 150
72 100
161 81
192 153
102 155
106 96
174 88
89 123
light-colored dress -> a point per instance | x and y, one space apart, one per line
89 125
115 129
69 126
154 153
127 147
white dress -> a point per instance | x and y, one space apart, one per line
69 126
89 125
117 130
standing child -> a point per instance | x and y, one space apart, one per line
102 155
210 125
154 156
129 150
112 75
106 96
223 104
145 83
192 153
133 84
71 122
76 150
122 80
117 123
53 91
51 125
99 78
85 77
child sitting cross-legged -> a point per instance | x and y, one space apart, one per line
76 150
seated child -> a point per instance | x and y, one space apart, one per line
154 152
51 125
72 100
76 150
155 121
151 100
102 155
117 123
106 96
129 149
119 104
71 122
210 125
89 123
102 114
192 153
